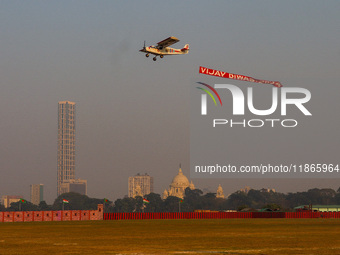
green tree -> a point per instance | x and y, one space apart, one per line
256 198
108 205
273 207
43 206
192 199
238 199
171 204
27 206
139 205
298 198
126 204
337 198
209 202
312 196
76 202
156 203
242 207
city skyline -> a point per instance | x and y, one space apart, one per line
133 115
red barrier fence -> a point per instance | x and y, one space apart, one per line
218 215
308 215
67 215
174 215
78 215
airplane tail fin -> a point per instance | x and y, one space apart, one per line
186 48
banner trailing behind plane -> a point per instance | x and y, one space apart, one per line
208 71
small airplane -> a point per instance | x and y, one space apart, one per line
163 48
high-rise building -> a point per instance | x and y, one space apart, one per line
37 193
140 185
66 142
78 186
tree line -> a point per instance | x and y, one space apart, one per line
193 200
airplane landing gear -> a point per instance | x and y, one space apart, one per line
161 56
154 59
147 55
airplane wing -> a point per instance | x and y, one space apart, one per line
167 42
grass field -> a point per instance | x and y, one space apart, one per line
232 236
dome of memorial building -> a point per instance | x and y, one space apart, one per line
180 180
177 188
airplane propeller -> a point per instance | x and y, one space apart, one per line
144 49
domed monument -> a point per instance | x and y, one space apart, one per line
219 193
138 192
178 186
